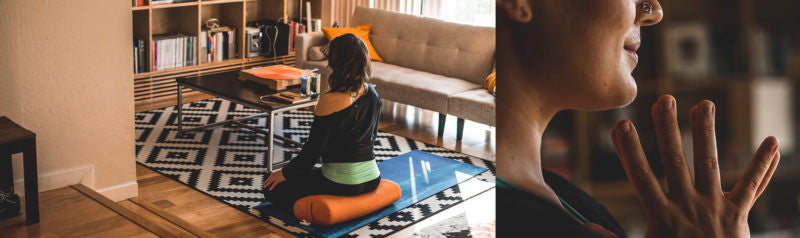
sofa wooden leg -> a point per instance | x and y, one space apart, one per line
442 118
459 129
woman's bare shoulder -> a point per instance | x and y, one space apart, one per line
332 102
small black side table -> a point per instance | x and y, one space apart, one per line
15 139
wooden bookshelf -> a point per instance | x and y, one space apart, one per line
157 88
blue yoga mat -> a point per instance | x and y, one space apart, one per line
419 174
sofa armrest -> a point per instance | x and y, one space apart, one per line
305 41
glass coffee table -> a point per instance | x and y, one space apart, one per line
227 86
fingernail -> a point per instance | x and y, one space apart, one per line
775 144
708 110
625 127
667 104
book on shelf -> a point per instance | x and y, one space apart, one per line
295 28
159 2
137 3
138 55
217 44
316 25
173 51
299 26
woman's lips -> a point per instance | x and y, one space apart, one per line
631 50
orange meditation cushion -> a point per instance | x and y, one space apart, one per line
330 209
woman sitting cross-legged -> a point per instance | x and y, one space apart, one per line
342 134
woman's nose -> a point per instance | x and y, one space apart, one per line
649 13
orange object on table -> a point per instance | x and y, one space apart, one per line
276 77
276 73
329 209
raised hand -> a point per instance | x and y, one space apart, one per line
694 206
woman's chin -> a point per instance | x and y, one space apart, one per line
613 99
625 98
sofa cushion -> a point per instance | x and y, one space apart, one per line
362 32
317 53
417 88
475 105
430 45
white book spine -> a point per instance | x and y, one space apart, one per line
182 56
176 52
202 47
161 51
178 49
308 17
220 46
167 53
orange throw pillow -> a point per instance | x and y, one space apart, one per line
361 31
490 82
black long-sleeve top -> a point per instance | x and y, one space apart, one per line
347 135
520 213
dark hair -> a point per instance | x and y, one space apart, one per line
349 59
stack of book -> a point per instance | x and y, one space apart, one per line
173 51
138 55
217 44
294 29
299 27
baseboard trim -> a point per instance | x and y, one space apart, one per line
120 192
59 179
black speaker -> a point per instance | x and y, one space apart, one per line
274 37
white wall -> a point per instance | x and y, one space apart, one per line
66 75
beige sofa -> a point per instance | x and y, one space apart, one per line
428 63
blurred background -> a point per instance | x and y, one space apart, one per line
744 55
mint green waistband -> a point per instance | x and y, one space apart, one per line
351 172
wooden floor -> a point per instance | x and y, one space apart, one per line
66 212
173 206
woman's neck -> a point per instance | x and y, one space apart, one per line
523 119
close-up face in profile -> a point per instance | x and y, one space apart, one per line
585 49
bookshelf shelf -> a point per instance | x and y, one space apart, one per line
220 2
156 88
174 5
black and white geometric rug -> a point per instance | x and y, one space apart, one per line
228 163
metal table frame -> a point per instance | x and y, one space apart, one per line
270 137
